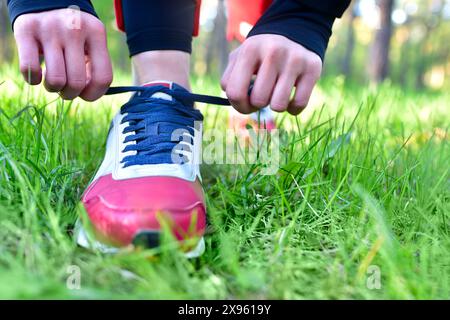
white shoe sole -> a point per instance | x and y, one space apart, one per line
83 240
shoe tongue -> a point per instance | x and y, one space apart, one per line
164 96
160 95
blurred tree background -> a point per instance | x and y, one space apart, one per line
405 42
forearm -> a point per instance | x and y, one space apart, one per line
19 7
306 22
333 8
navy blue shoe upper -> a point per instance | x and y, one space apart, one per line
153 121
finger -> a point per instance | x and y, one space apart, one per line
282 92
55 70
227 73
99 69
304 88
264 85
239 81
30 67
74 57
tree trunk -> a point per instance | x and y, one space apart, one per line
379 64
218 40
350 40
403 73
432 21
6 51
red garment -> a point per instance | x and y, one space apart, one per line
243 11
119 15
238 11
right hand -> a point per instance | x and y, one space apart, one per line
77 62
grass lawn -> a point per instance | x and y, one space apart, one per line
362 194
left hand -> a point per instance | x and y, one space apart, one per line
280 65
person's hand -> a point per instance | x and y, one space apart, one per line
76 58
280 65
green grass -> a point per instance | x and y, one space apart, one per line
363 184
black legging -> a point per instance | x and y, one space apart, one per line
156 25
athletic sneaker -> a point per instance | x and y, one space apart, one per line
150 175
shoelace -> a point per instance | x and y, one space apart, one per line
154 120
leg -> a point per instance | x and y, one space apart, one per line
169 65
142 183
159 37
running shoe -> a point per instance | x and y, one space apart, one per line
149 178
